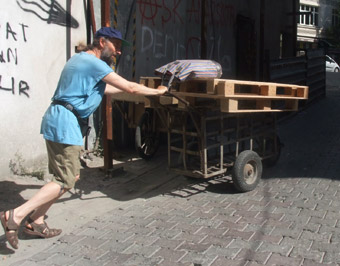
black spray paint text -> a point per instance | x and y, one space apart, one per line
9 55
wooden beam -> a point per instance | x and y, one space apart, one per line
106 102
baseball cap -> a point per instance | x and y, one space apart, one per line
111 33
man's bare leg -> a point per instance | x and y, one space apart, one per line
38 215
44 198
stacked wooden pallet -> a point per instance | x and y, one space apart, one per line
232 96
236 96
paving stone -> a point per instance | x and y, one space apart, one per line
239 234
283 250
64 248
250 255
116 236
307 254
187 228
259 236
320 237
309 262
249 245
241 225
61 259
221 241
43 257
227 252
115 258
251 220
189 237
92 242
171 263
26 263
170 255
211 231
168 243
116 246
332 257
287 232
206 222
87 262
161 224
137 259
222 261
276 259
146 251
71 239
193 247
309 227
197 258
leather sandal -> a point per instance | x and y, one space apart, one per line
41 230
10 228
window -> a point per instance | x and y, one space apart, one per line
335 18
309 15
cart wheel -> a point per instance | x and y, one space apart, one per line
271 161
147 137
247 171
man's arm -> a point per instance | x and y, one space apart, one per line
116 83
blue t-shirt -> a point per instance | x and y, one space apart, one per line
80 84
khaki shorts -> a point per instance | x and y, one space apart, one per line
63 163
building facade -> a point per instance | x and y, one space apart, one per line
315 17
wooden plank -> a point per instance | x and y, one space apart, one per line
212 86
127 97
225 89
230 88
263 105
151 82
235 96
166 100
258 83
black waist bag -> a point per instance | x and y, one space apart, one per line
83 122
84 126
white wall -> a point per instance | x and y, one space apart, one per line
40 43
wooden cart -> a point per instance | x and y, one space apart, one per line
214 126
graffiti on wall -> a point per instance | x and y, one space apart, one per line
218 12
9 57
159 10
50 11
162 22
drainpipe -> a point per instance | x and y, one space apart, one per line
295 12
106 102
262 74
203 30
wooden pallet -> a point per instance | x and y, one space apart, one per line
228 87
258 105
238 87
154 82
233 96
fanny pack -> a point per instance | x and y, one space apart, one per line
83 122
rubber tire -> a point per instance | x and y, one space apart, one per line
145 136
247 161
336 69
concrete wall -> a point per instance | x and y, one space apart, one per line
171 30
35 44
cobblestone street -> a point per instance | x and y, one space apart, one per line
150 216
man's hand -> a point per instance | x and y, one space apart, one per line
162 89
